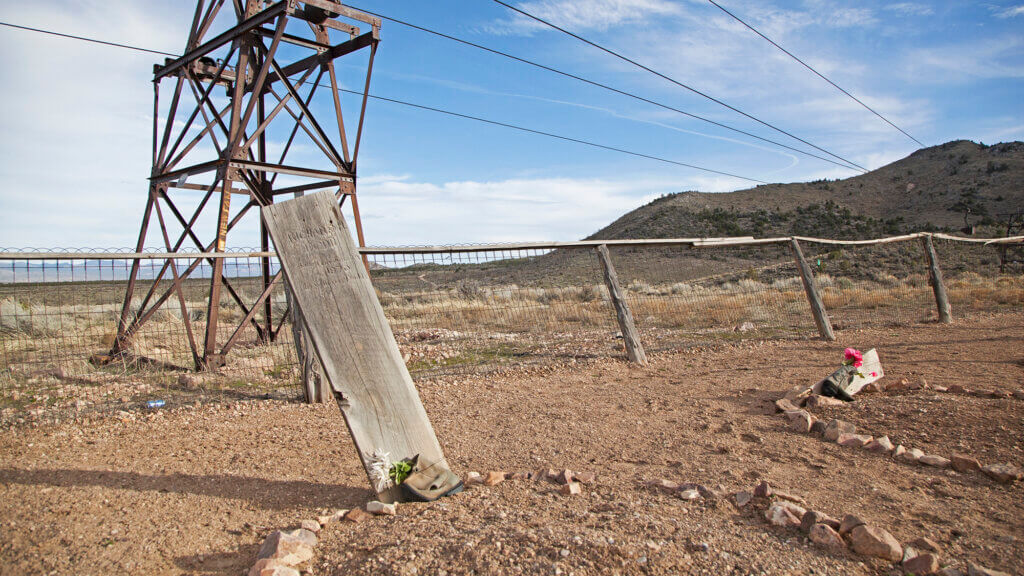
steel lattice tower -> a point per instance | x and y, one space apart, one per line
270 59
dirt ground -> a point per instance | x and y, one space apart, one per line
194 491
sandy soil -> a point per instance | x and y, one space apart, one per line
195 490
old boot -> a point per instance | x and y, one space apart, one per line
430 483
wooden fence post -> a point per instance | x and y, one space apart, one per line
813 298
935 279
634 349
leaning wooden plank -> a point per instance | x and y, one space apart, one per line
351 336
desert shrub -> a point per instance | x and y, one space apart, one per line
31 319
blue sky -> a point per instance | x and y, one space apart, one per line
76 118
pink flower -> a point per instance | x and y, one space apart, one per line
853 357
873 374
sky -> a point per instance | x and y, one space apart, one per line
76 118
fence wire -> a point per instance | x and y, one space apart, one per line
682 296
453 311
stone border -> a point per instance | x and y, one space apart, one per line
845 434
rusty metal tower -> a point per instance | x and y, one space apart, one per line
269 58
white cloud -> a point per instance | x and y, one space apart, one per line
910 9
583 15
999 57
527 209
1010 11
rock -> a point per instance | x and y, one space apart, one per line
938 388
356 515
817 401
922 564
933 460
666 486
848 523
979 570
964 463
898 451
959 389
883 445
743 498
875 542
745 327
926 545
787 496
564 477
999 394
855 440
836 427
785 514
585 477
919 385
518 476
911 455
818 427
823 535
571 489
689 494
1002 473
381 508
901 384
272 567
473 478
330 518
800 420
311 525
763 489
290 547
950 572
785 405
1018 394
812 517
494 478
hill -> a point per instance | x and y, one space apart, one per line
931 189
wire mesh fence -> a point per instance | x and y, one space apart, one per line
454 311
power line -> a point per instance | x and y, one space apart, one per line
674 81
550 135
84 39
433 109
597 84
819 74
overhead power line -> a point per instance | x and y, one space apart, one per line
597 84
84 39
674 81
819 74
429 108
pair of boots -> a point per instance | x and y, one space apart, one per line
429 483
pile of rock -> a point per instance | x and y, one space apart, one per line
688 491
570 483
845 434
921 557
283 551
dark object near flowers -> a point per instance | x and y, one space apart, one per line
430 483
836 384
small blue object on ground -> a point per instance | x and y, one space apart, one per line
155 403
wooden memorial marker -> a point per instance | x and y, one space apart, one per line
350 334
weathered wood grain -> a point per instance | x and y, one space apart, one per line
349 332
938 286
630 336
813 297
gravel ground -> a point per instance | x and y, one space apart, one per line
195 490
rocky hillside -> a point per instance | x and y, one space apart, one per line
932 189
